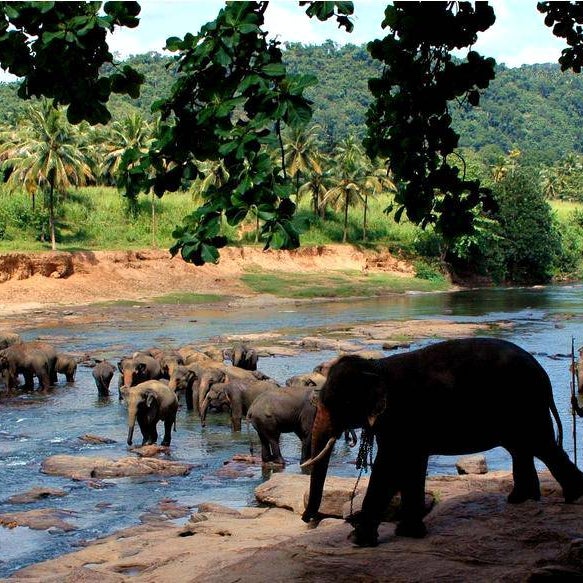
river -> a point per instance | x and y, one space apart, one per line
34 426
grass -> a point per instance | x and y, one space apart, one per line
187 298
336 284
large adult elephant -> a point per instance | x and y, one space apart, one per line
26 359
289 410
454 397
237 396
137 369
148 403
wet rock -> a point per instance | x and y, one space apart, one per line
43 519
166 509
473 464
95 439
84 467
150 450
35 494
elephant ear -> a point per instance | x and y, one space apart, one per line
378 397
141 367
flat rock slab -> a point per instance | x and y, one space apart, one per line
35 494
84 467
42 519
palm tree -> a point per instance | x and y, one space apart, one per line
349 159
45 153
132 133
301 154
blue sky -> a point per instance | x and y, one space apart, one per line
519 35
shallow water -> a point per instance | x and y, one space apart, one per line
33 426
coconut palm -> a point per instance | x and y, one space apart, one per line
348 183
376 180
301 153
45 154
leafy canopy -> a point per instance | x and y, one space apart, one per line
233 95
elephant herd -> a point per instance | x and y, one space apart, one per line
153 381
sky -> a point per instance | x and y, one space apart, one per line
518 36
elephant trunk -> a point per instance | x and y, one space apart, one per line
323 437
204 410
132 413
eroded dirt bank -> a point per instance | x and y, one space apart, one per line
33 281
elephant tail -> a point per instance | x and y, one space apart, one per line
251 449
553 408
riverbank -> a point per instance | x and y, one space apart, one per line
473 535
36 282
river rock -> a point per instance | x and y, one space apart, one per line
290 491
150 450
472 464
35 494
41 519
83 467
212 507
392 512
95 439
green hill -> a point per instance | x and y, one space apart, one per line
534 108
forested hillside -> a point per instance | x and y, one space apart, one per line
534 108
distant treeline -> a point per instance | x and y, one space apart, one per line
536 109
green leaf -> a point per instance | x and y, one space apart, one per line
274 69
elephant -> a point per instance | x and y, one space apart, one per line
454 397
168 359
8 338
137 369
289 410
313 379
237 396
103 373
243 356
150 402
51 354
28 360
67 365
184 379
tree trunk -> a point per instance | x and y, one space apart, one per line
364 218
345 233
52 217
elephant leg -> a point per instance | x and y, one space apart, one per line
189 397
276 456
383 485
563 470
28 380
306 449
413 496
526 482
167 431
266 455
148 437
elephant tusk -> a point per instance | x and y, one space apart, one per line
328 447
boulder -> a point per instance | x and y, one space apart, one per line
83 467
212 507
472 464
290 491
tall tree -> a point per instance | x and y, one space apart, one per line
45 155
301 152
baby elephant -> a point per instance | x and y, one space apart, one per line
150 402
66 365
102 374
